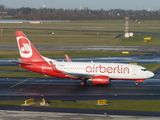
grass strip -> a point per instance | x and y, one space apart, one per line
126 105
152 67
132 105
22 74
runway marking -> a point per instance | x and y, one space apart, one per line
18 83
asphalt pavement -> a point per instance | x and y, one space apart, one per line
87 48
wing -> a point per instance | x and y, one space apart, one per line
79 75
75 75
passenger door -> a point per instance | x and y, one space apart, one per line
134 71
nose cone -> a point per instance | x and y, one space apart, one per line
150 74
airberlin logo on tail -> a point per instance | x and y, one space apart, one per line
24 47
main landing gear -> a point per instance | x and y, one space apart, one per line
84 82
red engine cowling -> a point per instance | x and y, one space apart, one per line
100 80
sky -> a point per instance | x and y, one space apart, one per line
91 4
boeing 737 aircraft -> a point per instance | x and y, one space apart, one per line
97 73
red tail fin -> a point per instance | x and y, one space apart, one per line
27 51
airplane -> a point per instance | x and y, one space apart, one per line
97 73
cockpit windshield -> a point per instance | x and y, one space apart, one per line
144 70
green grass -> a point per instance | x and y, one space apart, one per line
11 102
11 68
132 105
9 54
127 105
22 74
152 66
138 40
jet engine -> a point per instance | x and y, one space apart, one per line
100 80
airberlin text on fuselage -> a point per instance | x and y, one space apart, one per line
120 69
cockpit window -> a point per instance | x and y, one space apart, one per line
144 70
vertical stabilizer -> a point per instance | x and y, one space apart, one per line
27 51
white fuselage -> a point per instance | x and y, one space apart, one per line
113 70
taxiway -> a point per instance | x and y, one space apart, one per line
62 89
87 48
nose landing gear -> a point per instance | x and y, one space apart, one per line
137 82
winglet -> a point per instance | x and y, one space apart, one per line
67 58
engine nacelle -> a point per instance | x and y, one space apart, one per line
100 80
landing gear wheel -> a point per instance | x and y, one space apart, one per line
83 82
136 83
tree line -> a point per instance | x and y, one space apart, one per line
26 13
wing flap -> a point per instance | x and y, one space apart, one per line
79 75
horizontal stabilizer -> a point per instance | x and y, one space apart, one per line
23 63
20 62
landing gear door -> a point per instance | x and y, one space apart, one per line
134 71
